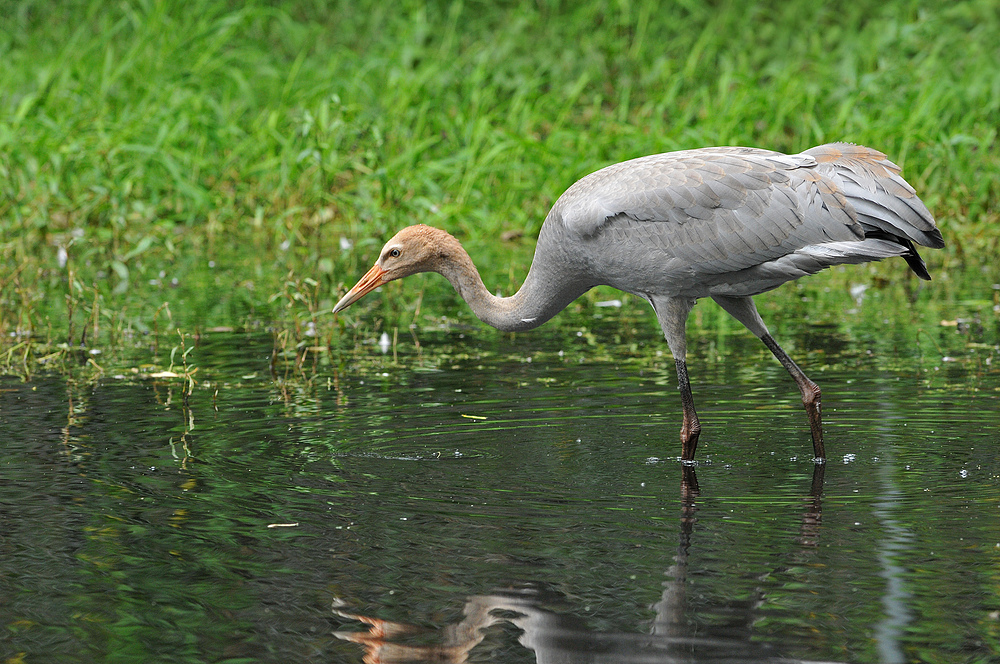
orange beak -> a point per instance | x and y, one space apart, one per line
368 283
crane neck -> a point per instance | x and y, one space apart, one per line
551 284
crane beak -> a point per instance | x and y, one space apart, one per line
368 283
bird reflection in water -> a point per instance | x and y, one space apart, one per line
560 637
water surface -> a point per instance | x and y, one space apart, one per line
508 499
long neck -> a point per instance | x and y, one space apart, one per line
552 283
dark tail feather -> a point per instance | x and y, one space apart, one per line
911 256
915 262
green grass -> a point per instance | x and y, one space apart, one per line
143 140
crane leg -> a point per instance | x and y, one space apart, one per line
690 426
745 311
810 394
672 312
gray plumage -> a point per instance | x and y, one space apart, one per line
740 221
726 223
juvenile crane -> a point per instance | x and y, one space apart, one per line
726 223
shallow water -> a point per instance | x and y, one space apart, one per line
506 500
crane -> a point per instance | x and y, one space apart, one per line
726 223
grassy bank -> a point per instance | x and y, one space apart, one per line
196 164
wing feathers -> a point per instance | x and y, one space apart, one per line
720 210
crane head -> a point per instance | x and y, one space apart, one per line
413 249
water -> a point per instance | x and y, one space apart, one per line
507 500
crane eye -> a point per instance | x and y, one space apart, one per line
394 253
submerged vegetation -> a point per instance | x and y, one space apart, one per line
207 164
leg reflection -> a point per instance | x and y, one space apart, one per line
557 635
